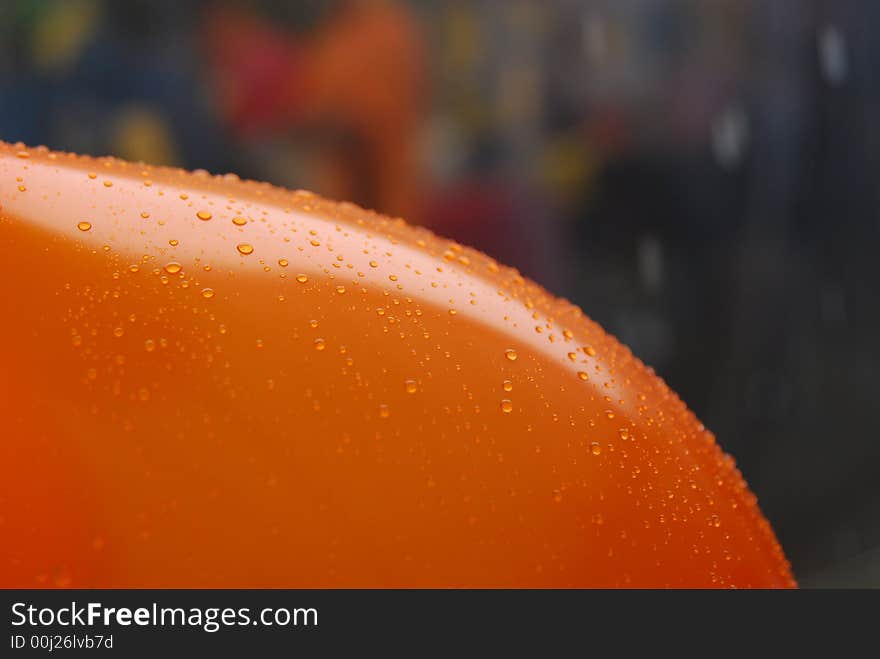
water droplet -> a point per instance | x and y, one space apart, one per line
133 267
204 215
84 226
411 386
590 350
21 188
92 175
583 376
108 184
595 448
173 242
572 356
145 215
149 345
239 221
510 353
507 385
283 263
302 279
245 248
506 406
118 331
173 268
320 344
340 289
373 264
314 243
392 277
207 293
384 411
715 521
452 312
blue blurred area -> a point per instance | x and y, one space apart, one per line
700 176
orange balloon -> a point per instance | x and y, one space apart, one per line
215 383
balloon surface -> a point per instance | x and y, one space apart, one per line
208 382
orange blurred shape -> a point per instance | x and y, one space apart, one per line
215 383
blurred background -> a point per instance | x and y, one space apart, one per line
701 176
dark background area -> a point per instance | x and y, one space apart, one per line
700 176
